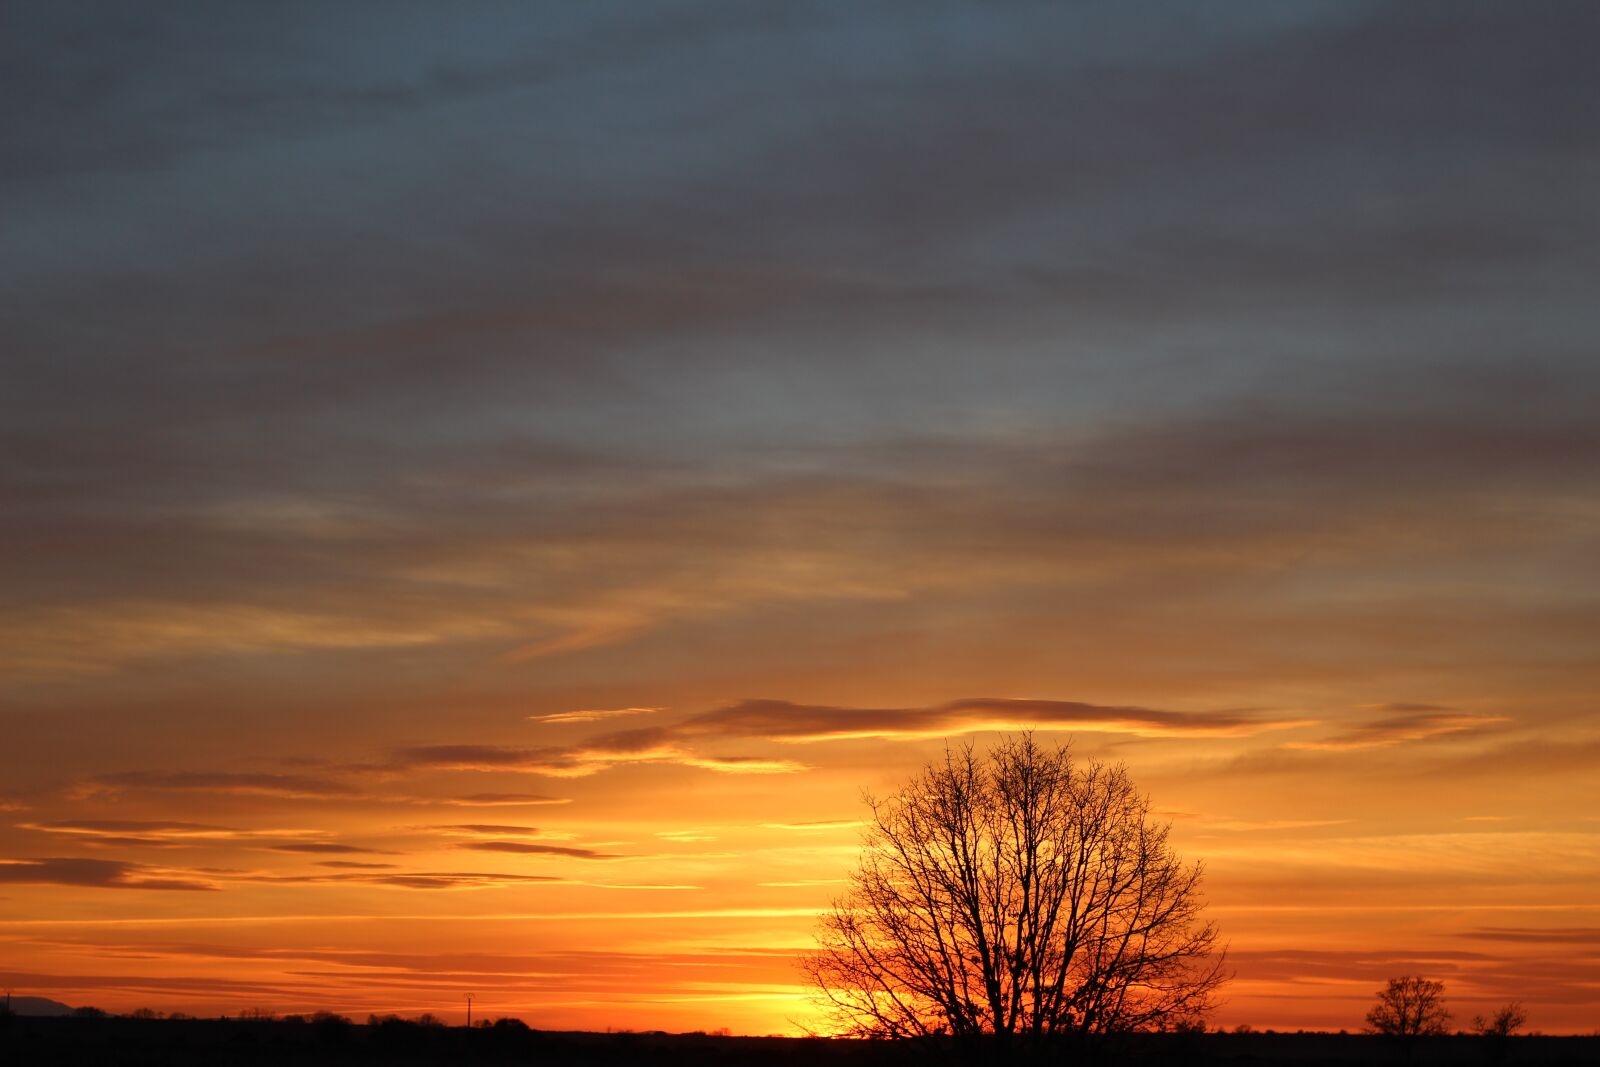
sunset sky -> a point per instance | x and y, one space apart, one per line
484 487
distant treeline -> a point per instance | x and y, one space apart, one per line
122 1041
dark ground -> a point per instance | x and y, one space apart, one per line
120 1042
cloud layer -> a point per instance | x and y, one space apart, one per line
589 439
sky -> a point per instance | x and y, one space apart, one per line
486 487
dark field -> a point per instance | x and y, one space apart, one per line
118 1041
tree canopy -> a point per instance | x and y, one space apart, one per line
1020 894
1409 1007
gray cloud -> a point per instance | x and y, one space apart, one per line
246 784
528 848
354 865
1409 727
456 880
112 826
324 848
474 757
92 874
1550 935
781 720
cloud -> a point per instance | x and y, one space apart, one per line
791 723
355 865
1291 965
354 872
503 800
152 833
325 847
739 764
591 715
457 880
1556 935
1249 826
1537 759
1400 729
476 757
780 720
490 829
289 786
528 848
1400 708
140 826
581 761
92 873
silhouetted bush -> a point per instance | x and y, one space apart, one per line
330 1029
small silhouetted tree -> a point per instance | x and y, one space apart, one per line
1409 1007
1503 1023
1498 1027
1022 897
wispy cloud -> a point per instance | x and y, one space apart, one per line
1400 729
783 721
499 800
149 833
136 826
531 848
591 715
578 762
355 865
1548 935
791 723
291 786
95 874
325 848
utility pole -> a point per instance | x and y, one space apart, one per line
469 1011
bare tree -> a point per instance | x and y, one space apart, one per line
1409 1007
1019 895
1503 1023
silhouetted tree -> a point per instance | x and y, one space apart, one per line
331 1029
1498 1027
1023 896
1409 1007
1503 1023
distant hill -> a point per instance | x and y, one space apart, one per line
38 1006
